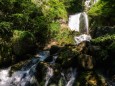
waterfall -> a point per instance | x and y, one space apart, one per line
83 23
74 21
69 76
72 78
49 74
79 23
89 3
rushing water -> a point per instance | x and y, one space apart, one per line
25 76
89 3
79 23
74 21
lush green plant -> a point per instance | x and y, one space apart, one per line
105 38
5 29
64 36
73 6
23 42
103 10
5 53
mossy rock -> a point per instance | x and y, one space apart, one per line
23 42
86 61
67 56
90 78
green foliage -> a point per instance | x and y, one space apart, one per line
64 36
5 43
103 39
5 52
22 42
54 28
52 9
103 8
73 6
102 13
101 31
5 29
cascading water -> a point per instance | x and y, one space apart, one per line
49 74
74 21
73 73
27 75
79 23
89 3
24 77
69 76
4 76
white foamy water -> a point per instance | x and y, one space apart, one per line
4 76
72 78
79 23
25 76
82 38
89 3
49 74
74 21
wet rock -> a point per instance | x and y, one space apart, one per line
54 49
90 78
86 61
48 73
67 56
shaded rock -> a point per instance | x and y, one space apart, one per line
45 71
90 78
67 56
86 61
111 49
54 49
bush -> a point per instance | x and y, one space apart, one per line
103 10
23 42
104 40
6 57
101 31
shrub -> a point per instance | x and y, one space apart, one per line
23 42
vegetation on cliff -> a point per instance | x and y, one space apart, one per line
29 24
